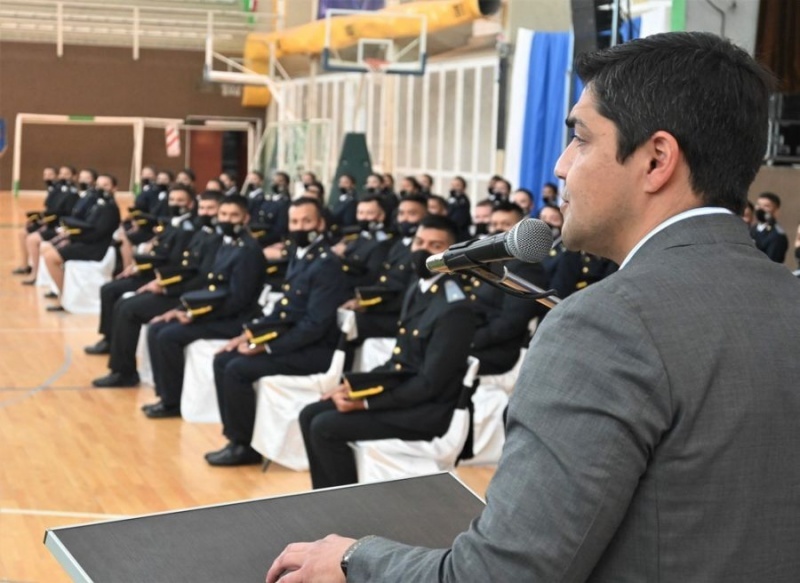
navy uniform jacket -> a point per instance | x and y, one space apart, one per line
575 270
503 319
91 242
772 240
396 272
148 199
271 211
194 264
168 246
433 340
551 262
343 211
61 199
238 268
254 199
364 257
313 290
458 211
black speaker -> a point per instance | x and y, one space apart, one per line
592 23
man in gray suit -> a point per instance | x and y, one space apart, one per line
653 434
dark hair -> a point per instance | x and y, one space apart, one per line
552 185
211 195
414 182
313 175
440 199
111 177
303 200
91 171
495 178
376 175
168 173
417 198
235 199
70 168
217 180
373 198
428 177
442 224
526 191
504 206
387 177
709 94
259 173
230 174
504 181
461 180
283 175
772 197
189 172
182 188
349 177
321 188
485 202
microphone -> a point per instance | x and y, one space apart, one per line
530 241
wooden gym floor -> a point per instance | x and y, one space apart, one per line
72 454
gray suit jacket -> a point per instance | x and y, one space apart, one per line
654 434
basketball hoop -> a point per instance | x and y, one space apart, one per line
376 65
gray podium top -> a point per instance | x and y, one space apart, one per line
238 541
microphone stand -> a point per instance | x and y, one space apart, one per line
513 284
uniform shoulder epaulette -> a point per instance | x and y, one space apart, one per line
453 292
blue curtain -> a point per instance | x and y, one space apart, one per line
544 111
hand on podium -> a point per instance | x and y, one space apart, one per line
317 562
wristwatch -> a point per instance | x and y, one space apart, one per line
350 550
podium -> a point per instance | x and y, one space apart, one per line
238 541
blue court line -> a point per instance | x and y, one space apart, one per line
46 384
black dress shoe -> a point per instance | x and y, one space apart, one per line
162 411
116 379
101 347
234 454
51 295
147 406
55 309
29 282
22 270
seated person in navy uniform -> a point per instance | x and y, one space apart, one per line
34 220
363 252
769 236
166 247
458 208
374 186
551 215
425 182
62 197
298 338
410 187
86 234
576 270
254 190
502 318
186 273
437 205
523 198
269 216
229 299
142 222
378 305
343 206
481 219
228 180
501 191
423 378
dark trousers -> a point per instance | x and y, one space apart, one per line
377 325
166 341
110 293
234 375
129 316
326 433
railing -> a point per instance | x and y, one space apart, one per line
141 26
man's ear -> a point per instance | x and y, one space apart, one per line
664 158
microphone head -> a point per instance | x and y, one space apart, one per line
530 240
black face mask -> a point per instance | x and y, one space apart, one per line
418 259
251 187
303 238
83 185
455 193
146 182
481 228
404 193
343 190
407 229
763 216
162 187
276 189
201 221
176 210
49 183
370 226
372 191
229 229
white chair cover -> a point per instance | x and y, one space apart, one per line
387 459
489 433
43 278
507 380
374 352
199 396
143 358
279 400
82 283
